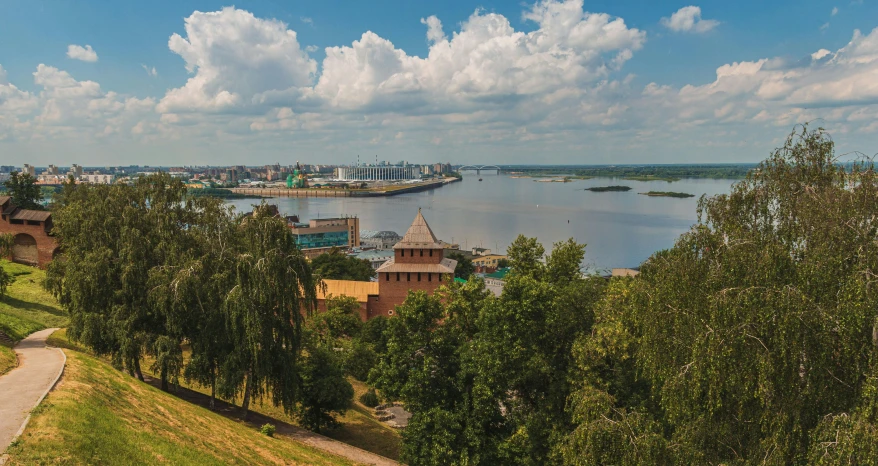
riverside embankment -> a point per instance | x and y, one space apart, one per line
324 192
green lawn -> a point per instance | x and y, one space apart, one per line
27 307
98 415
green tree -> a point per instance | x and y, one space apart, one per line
757 330
337 265
273 284
195 291
464 268
112 238
341 319
24 190
615 417
488 379
325 391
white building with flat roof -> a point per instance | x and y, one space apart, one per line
379 173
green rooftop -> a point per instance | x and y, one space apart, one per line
500 274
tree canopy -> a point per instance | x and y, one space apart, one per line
24 190
337 265
753 340
148 268
464 267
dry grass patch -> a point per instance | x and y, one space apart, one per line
8 359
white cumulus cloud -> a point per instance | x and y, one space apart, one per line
487 62
557 86
235 57
78 52
434 29
688 19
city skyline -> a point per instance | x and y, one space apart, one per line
555 82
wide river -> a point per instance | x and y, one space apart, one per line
621 229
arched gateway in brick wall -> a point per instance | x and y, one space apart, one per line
417 264
32 241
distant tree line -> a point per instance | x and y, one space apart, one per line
753 340
667 172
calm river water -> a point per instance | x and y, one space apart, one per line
621 229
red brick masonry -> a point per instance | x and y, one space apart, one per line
31 231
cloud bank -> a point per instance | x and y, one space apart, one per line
558 93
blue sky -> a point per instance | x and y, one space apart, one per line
552 81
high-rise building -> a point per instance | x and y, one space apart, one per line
29 170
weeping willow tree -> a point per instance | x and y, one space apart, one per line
272 284
113 237
756 335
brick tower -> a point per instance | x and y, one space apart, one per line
417 264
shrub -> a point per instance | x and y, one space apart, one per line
268 429
370 398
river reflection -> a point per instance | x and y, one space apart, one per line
621 229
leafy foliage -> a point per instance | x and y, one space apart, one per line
754 339
464 268
337 265
325 390
370 398
24 190
268 429
147 268
486 378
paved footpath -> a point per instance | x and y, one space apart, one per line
22 389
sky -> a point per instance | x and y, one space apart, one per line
170 83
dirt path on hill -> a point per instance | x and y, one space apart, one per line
22 388
298 434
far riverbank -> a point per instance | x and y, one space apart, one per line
391 190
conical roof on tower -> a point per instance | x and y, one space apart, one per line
419 236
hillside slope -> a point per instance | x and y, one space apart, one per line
27 307
98 415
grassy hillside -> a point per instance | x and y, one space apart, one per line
358 427
8 360
27 307
98 415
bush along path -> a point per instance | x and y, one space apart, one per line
23 388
